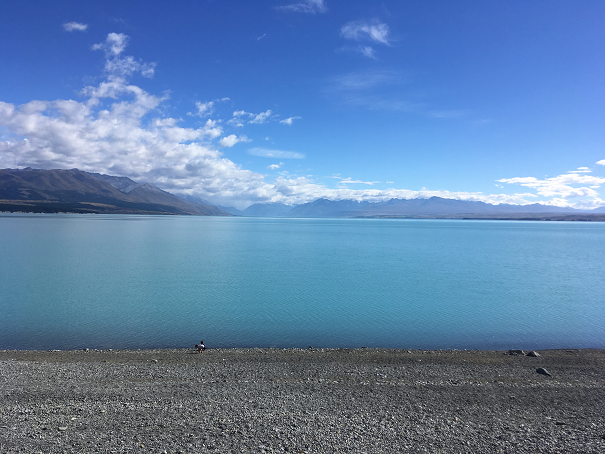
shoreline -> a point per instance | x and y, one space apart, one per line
301 400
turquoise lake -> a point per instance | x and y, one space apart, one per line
102 281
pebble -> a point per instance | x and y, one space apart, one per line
297 401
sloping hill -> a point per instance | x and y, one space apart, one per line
51 191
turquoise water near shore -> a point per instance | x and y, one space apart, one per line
103 281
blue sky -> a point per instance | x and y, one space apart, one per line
242 102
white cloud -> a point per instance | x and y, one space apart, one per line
203 108
306 6
74 26
367 51
348 180
261 117
261 36
562 187
581 170
360 31
117 128
239 116
289 121
232 139
268 153
114 44
601 162
117 66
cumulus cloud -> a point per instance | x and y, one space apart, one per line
375 31
232 139
289 121
564 187
601 162
118 128
268 153
306 6
297 190
74 26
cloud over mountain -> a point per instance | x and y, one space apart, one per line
117 127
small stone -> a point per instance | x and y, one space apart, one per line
154 360
516 352
533 354
543 371
86 350
62 429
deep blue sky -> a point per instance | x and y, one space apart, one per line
483 100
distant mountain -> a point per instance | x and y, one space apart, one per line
194 199
267 209
328 208
433 207
75 191
438 206
231 210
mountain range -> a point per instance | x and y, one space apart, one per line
76 191
433 207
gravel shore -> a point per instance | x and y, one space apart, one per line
302 401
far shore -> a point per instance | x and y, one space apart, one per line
302 400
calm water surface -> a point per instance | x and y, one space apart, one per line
101 281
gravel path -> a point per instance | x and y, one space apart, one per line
302 401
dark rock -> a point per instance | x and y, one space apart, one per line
543 371
516 352
533 354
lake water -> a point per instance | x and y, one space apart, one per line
102 281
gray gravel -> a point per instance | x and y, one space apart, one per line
302 401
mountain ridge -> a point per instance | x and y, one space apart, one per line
433 207
77 191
